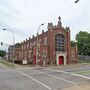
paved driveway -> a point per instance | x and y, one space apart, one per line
38 79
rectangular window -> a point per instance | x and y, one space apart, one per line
27 45
39 41
44 54
25 54
34 43
45 40
30 45
22 47
29 54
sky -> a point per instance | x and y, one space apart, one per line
23 17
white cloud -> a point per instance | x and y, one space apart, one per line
24 16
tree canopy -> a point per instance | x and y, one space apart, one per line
73 43
17 45
83 42
2 53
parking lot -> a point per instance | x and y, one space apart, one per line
42 78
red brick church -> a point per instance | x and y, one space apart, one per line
54 46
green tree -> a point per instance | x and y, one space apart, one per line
2 53
73 43
17 45
83 42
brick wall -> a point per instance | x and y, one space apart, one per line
47 44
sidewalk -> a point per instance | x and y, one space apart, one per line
78 87
51 66
17 66
68 66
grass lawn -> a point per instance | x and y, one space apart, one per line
6 63
83 72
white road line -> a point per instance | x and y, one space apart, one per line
58 78
70 73
63 79
81 76
57 70
34 80
39 72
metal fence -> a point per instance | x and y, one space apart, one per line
84 58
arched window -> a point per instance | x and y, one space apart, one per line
59 42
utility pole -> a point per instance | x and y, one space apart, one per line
37 44
12 42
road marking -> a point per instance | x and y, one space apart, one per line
80 76
39 72
34 80
58 71
63 79
70 73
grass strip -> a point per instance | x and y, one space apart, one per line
6 63
83 72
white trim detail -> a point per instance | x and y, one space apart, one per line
58 54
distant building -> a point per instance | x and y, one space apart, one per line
54 46
13 52
10 52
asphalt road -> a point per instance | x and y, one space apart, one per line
83 70
38 79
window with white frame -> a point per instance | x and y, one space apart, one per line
45 40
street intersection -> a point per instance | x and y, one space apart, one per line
42 78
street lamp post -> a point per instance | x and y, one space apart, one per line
37 44
76 1
13 42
